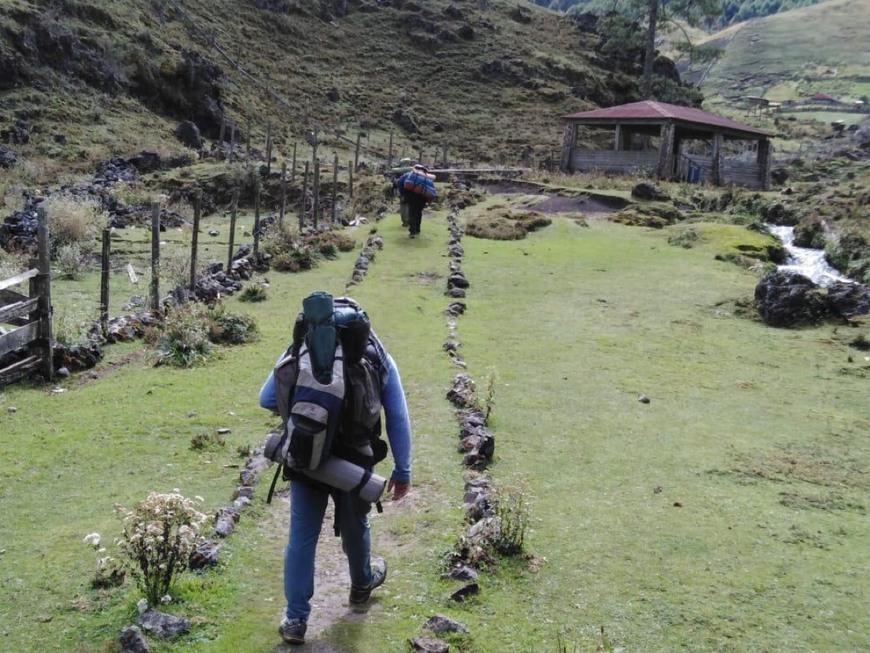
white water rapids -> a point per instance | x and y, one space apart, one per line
810 263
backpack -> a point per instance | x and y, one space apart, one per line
328 389
420 184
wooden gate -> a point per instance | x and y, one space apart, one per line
29 315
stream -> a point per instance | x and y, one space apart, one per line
810 263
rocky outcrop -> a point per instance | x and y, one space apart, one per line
785 299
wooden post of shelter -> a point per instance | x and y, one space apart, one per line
303 201
283 204
474 156
194 242
104 283
315 191
349 179
420 156
356 151
444 158
716 176
257 220
334 185
390 152
268 149
666 151
155 256
41 287
233 213
763 158
568 138
232 142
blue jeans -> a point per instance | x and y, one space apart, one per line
307 508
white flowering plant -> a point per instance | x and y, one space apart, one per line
157 539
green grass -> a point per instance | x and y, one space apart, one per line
815 49
758 433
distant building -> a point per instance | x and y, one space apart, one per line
822 98
673 142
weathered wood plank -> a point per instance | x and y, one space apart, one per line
14 281
19 370
18 338
18 309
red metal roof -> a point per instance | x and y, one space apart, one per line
650 110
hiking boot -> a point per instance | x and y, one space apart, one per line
379 575
292 631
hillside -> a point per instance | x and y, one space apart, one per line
84 80
818 49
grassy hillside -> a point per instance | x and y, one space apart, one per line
91 79
818 49
728 513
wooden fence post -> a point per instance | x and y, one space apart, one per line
293 167
283 194
233 212
42 285
104 284
315 191
356 151
221 137
303 201
155 255
349 179
390 152
334 185
268 149
257 221
248 143
194 243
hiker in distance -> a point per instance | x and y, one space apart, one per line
335 334
417 190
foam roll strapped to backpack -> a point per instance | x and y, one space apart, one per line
339 473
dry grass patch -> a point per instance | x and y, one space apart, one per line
501 223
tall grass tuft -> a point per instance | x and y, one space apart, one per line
229 328
184 340
74 220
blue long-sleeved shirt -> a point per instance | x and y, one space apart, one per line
397 422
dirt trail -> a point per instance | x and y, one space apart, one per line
331 582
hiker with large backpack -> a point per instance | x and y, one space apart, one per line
418 192
330 388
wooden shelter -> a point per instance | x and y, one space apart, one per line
673 142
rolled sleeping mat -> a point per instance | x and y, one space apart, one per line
343 475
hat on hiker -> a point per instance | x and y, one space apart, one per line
421 167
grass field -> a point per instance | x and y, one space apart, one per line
727 514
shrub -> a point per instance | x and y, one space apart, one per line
11 264
70 261
253 293
329 243
301 257
74 220
231 328
184 341
157 538
512 513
